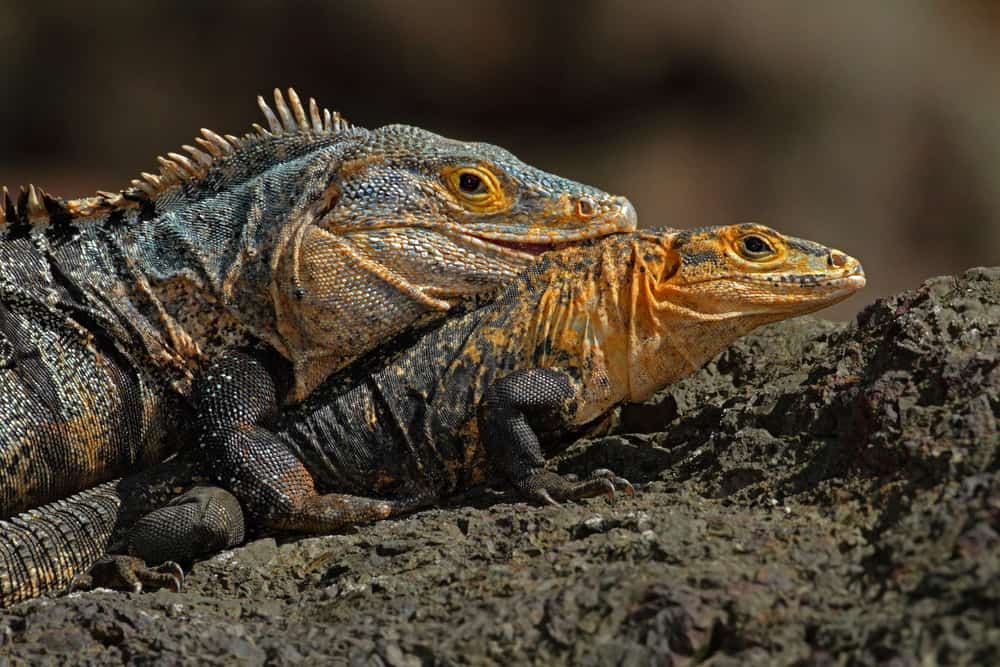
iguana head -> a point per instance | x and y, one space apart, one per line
441 219
399 224
692 293
635 312
400 178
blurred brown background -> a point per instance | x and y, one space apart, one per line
870 126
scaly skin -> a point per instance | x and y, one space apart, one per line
312 238
50 549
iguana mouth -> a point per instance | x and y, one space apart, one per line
854 278
625 222
521 246
536 248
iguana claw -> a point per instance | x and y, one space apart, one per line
129 573
619 483
551 488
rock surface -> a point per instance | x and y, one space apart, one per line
818 493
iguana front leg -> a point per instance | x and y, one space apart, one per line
511 413
235 401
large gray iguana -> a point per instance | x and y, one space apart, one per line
483 397
312 237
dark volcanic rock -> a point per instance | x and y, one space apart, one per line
819 492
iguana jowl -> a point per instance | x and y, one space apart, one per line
481 397
314 237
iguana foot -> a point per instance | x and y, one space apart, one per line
130 573
195 524
552 489
328 512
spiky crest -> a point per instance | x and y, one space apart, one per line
34 206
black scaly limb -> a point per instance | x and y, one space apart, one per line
517 407
237 404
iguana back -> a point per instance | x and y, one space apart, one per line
312 237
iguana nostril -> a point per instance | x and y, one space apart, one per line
585 207
837 259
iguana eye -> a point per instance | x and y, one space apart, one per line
470 183
754 247
476 188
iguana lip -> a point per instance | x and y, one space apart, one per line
855 278
624 221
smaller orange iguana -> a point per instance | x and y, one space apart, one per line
312 238
484 397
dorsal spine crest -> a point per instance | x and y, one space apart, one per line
34 206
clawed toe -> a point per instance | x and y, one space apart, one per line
129 573
552 489
620 483
164 575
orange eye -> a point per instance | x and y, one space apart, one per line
476 188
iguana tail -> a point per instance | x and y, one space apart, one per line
44 549
50 549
